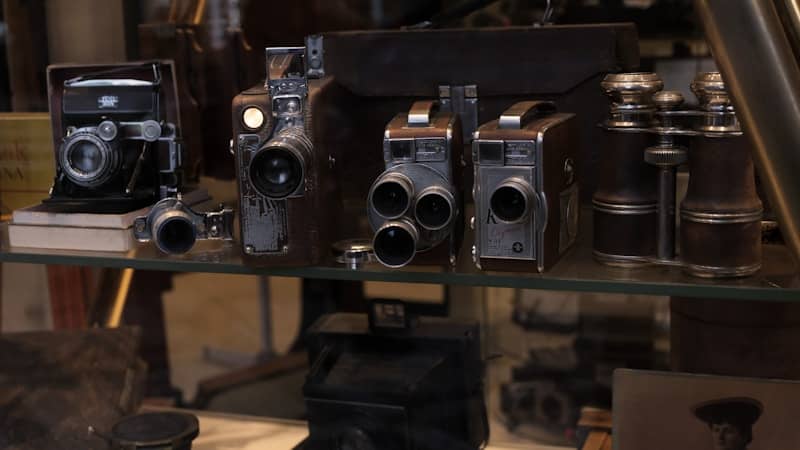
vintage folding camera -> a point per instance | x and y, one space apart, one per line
415 205
391 382
526 190
117 152
283 177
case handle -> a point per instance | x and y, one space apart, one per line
420 113
521 113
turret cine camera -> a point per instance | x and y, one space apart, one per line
415 205
118 153
526 192
394 382
649 134
283 177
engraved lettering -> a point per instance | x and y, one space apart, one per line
108 102
490 219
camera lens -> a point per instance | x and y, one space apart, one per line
276 171
510 201
395 244
176 235
87 160
391 197
354 439
434 210
85 157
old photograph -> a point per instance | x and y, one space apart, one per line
666 411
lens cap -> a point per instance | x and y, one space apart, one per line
167 430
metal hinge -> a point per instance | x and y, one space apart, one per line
315 61
462 100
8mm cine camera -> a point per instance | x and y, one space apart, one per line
415 205
118 152
526 193
283 177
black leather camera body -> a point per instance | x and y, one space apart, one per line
116 148
284 172
412 388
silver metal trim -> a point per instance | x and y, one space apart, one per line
624 209
621 260
720 271
722 218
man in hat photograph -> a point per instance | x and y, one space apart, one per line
730 421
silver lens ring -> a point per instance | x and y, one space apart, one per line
173 231
432 219
511 191
87 160
395 243
391 195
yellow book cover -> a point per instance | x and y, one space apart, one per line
27 165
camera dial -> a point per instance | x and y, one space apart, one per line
434 208
87 159
391 195
512 201
276 170
395 243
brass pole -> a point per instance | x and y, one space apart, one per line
120 298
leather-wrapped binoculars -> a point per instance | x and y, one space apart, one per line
649 133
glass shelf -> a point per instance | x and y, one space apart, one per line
576 271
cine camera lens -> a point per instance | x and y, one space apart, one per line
276 170
390 199
509 204
433 210
394 245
